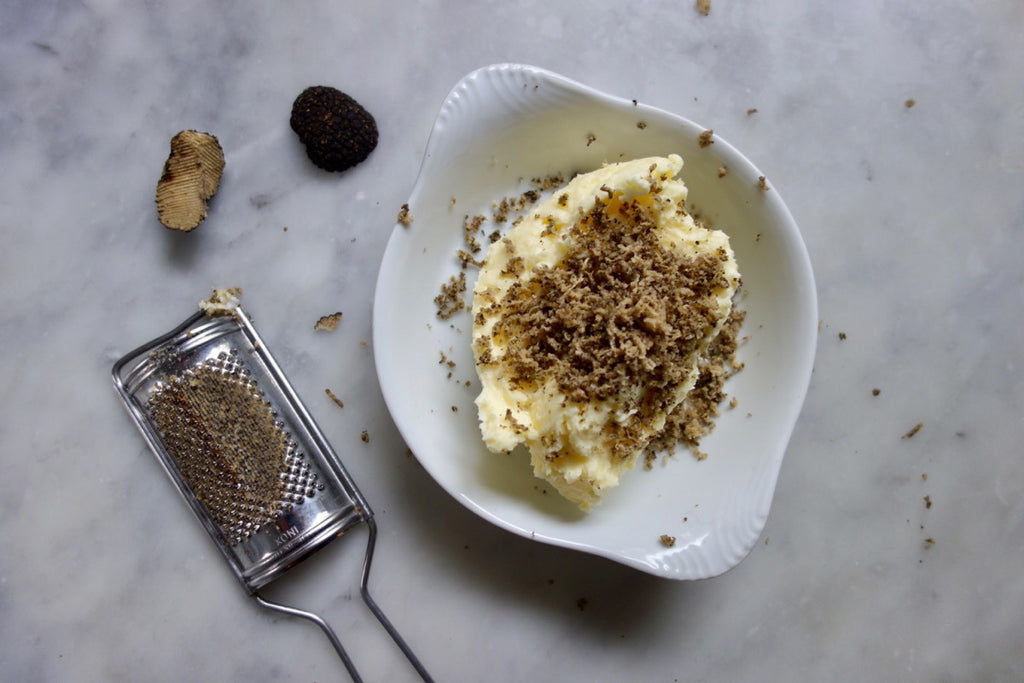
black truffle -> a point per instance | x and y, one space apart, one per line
337 132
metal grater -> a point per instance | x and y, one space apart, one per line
240 447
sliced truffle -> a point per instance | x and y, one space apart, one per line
190 178
337 131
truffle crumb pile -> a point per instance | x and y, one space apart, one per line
621 306
229 447
694 418
618 311
450 301
337 132
508 210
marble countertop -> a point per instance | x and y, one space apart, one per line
895 132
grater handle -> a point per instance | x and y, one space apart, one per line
364 590
324 626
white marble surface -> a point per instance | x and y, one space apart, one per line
914 218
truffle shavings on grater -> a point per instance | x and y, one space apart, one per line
230 447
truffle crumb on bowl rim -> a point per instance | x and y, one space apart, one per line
714 509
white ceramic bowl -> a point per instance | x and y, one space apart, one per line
506 123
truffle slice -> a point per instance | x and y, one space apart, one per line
337 132
191 177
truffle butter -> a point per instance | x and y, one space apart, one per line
589 320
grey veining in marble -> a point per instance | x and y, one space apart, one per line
884 558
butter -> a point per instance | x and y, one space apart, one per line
589 320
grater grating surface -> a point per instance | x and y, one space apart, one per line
232 450
247 457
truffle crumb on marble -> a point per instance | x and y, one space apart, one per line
328 323
913 430
331 395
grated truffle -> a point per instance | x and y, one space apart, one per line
694 418
913 430
331 395
404 216
328 323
